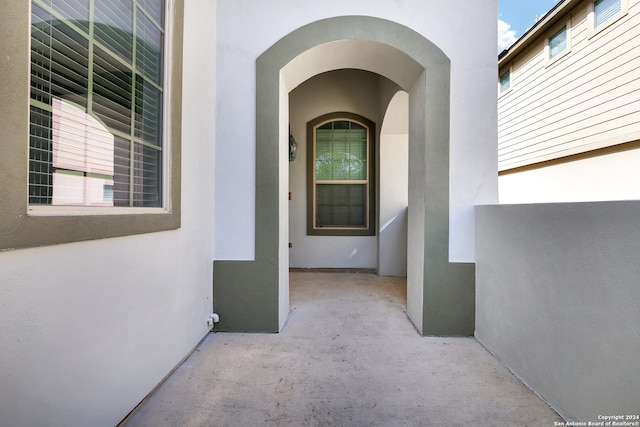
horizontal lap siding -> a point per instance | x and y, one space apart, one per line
586 100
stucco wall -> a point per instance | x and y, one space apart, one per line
88 329
394 185
243 36
557 301
344 90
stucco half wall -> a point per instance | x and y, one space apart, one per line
557 301
253 295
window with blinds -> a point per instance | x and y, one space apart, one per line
96 107
342 177
604 10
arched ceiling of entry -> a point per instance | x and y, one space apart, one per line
358 54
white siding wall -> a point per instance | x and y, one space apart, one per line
588 99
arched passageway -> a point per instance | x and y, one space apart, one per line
253 295
380 243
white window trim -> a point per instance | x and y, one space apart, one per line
554 31
624 11
509 70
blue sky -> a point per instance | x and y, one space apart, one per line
516 16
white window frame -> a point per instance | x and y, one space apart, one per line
501 91
624 11
566 25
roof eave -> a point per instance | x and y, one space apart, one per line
550 19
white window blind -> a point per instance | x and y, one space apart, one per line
97 102
605 10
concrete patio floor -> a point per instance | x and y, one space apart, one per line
348 356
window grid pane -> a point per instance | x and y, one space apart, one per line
59 60
114 26
146 181
155 9
341 154
40 157
148 48
93 103
122 172
341 205
148 112
112 87
73 10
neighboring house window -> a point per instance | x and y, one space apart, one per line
558 42
505 81
341 171
604 10
97 103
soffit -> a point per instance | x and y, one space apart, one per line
366 55
538 30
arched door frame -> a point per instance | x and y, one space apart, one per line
253 295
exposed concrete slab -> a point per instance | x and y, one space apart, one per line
348 356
